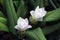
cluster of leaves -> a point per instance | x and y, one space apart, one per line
11 10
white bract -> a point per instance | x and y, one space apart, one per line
38 14
22 24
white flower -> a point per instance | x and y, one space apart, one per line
22 24
38 14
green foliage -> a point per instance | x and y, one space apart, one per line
3 27
51 29
53 15
22 9
12 16
31 35
35 34
1 14
16 3
39 34
3 20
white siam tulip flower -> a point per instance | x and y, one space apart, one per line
38 14
22 24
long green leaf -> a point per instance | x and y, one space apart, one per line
1 14
21 12
13 11
53 15
39 34
31 35
3 20
16 3
3 27
12 16
35 34
46 31
51 29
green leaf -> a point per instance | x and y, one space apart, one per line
39 34
51 29
22 9
52 15
11 14
31 35
3 27
16 3
1 14
3 20
35 34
